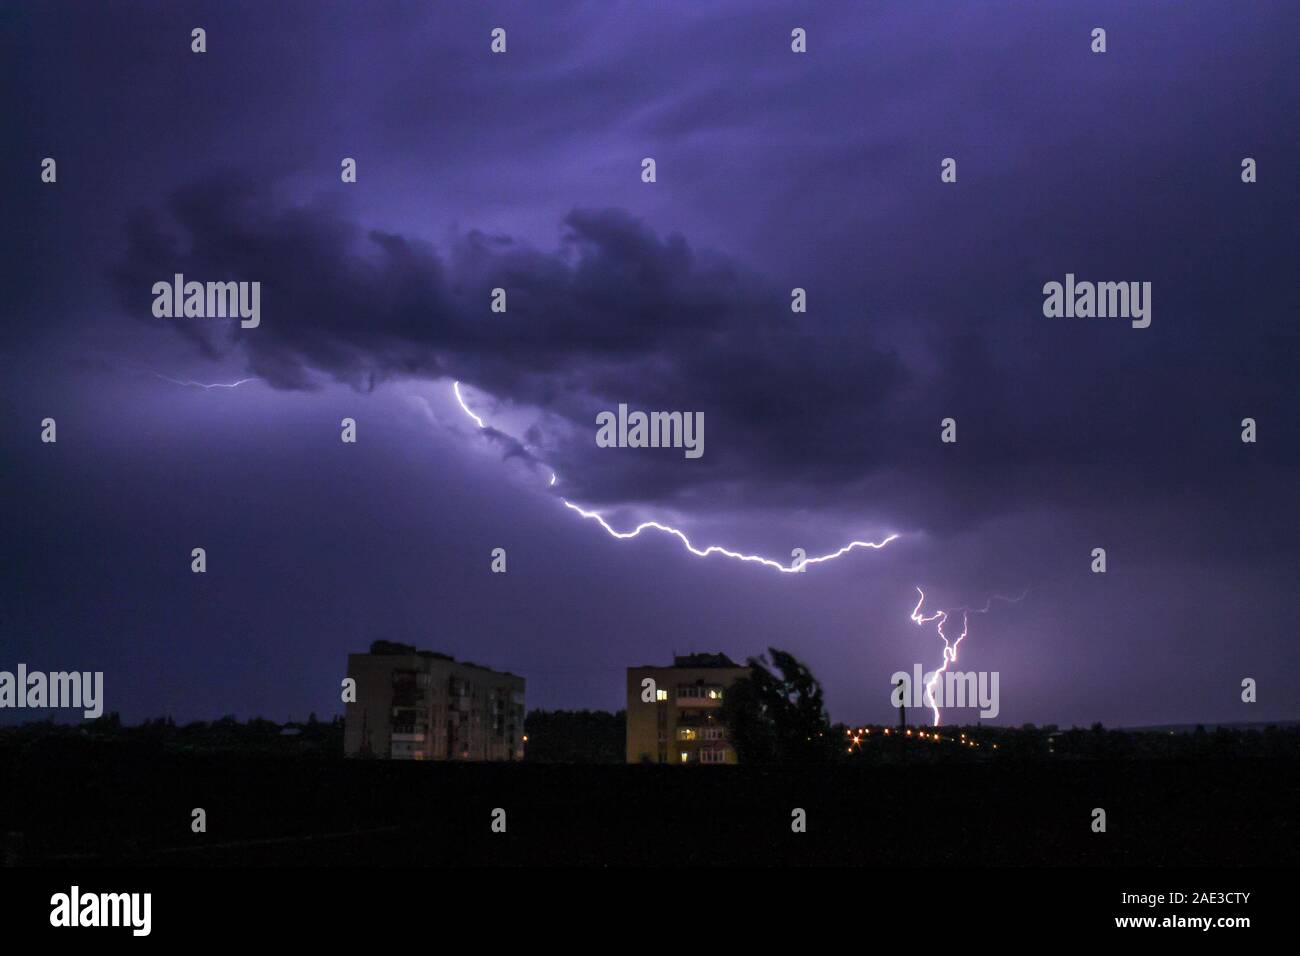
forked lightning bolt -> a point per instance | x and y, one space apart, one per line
681 536
950 647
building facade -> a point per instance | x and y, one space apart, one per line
681 722
422 705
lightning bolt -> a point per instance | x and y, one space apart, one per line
792 568
455 387
716 549
188 382
950 647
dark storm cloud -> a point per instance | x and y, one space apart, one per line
819 171
363 306
828 412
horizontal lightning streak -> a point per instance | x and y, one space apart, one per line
202 385
715 549
681 536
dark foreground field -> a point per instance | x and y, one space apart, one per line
132 807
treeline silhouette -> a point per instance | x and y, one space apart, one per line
575 736
258 735
598 737
554 736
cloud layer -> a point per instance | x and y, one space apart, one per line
814 409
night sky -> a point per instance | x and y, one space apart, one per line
774 170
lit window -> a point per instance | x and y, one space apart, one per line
661 695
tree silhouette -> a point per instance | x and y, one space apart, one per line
777 715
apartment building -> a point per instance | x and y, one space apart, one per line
423 705
681 723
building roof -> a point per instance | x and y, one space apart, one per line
397 649
703 660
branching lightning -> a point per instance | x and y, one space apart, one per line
202 385
792 568
950 646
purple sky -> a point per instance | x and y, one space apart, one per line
775 170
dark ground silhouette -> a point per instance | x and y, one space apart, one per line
125 796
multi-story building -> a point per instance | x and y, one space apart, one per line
681 723
422 705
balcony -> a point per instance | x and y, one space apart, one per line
696 695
